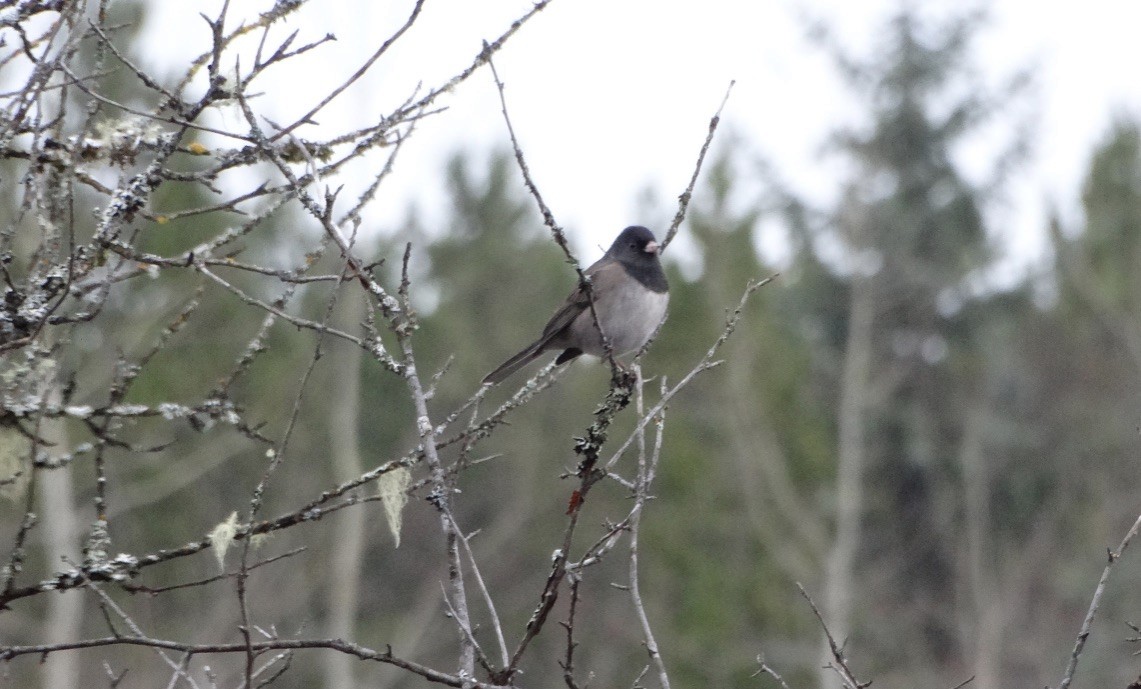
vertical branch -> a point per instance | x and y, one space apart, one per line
481 586
646 471
588 446
568 662
442 483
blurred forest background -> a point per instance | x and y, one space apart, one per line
939 461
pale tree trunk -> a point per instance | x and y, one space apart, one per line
60 524
851 455
347 554
987 631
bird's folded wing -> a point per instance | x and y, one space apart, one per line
603 276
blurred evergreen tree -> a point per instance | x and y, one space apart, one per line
885 277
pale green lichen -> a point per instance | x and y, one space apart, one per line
392 488
222 537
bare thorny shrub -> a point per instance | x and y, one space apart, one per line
74 245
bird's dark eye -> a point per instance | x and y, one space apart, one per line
633 245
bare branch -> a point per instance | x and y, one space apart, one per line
841 666
1079 645
646 470
683 200
339 645
765 668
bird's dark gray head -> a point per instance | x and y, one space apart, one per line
638 251
635 245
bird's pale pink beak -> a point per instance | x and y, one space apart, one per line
651 248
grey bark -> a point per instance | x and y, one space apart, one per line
348 550
60 523
851 456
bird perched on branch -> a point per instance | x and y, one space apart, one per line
630 296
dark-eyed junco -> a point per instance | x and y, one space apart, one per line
630 297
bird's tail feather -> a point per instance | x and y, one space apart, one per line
514 363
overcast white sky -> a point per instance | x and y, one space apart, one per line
610 97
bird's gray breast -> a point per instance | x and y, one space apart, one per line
628 318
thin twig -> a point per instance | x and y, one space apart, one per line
765 668
483 590
645 476
109 603
553 225
964 683
841 667
707 362
360 72
339 645
683 200
568 663
1080 644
